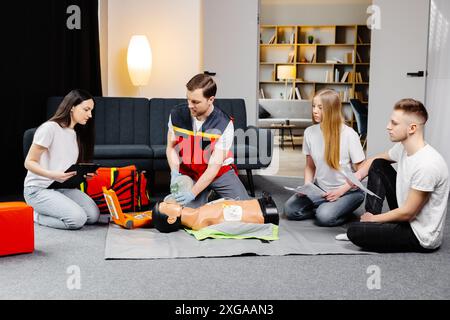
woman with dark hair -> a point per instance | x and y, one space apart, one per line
65 139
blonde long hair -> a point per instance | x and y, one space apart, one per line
331 125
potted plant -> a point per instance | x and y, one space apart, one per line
310 39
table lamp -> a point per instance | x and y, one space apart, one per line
285 72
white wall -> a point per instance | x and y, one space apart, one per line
230 48
173 30
437 130
313 12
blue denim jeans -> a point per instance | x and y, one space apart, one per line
327 214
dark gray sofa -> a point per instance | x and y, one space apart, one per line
134 131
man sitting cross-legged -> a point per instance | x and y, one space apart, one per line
417 193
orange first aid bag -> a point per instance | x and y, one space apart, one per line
129 184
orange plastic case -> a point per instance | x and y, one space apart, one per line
16 228
130 220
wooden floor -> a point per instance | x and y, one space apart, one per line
287 162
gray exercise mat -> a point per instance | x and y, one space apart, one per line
295 237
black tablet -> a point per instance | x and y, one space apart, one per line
82 169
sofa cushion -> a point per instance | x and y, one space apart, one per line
122 151
159 151
28 140
159 117
234 108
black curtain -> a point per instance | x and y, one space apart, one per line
41 57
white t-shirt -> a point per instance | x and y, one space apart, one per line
223 143
351 151
427 171
61 153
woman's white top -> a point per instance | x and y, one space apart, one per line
351 151
62 151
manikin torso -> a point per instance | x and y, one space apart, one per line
248 211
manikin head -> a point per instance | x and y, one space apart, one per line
407 120
201 91
166 217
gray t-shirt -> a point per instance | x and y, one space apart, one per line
62 151
427 171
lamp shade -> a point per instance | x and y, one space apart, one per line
139 60
286 72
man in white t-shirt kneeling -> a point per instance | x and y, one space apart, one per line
417 193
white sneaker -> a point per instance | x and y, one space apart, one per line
342 237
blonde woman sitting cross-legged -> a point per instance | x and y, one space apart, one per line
329 146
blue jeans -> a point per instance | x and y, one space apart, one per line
328 214
61 208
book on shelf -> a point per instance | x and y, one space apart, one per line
336 75
261 91
349 57
292 38
359 39
272 40
291 56
360 79
351 77
345 76
328 76
312 58
359 57
297 91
